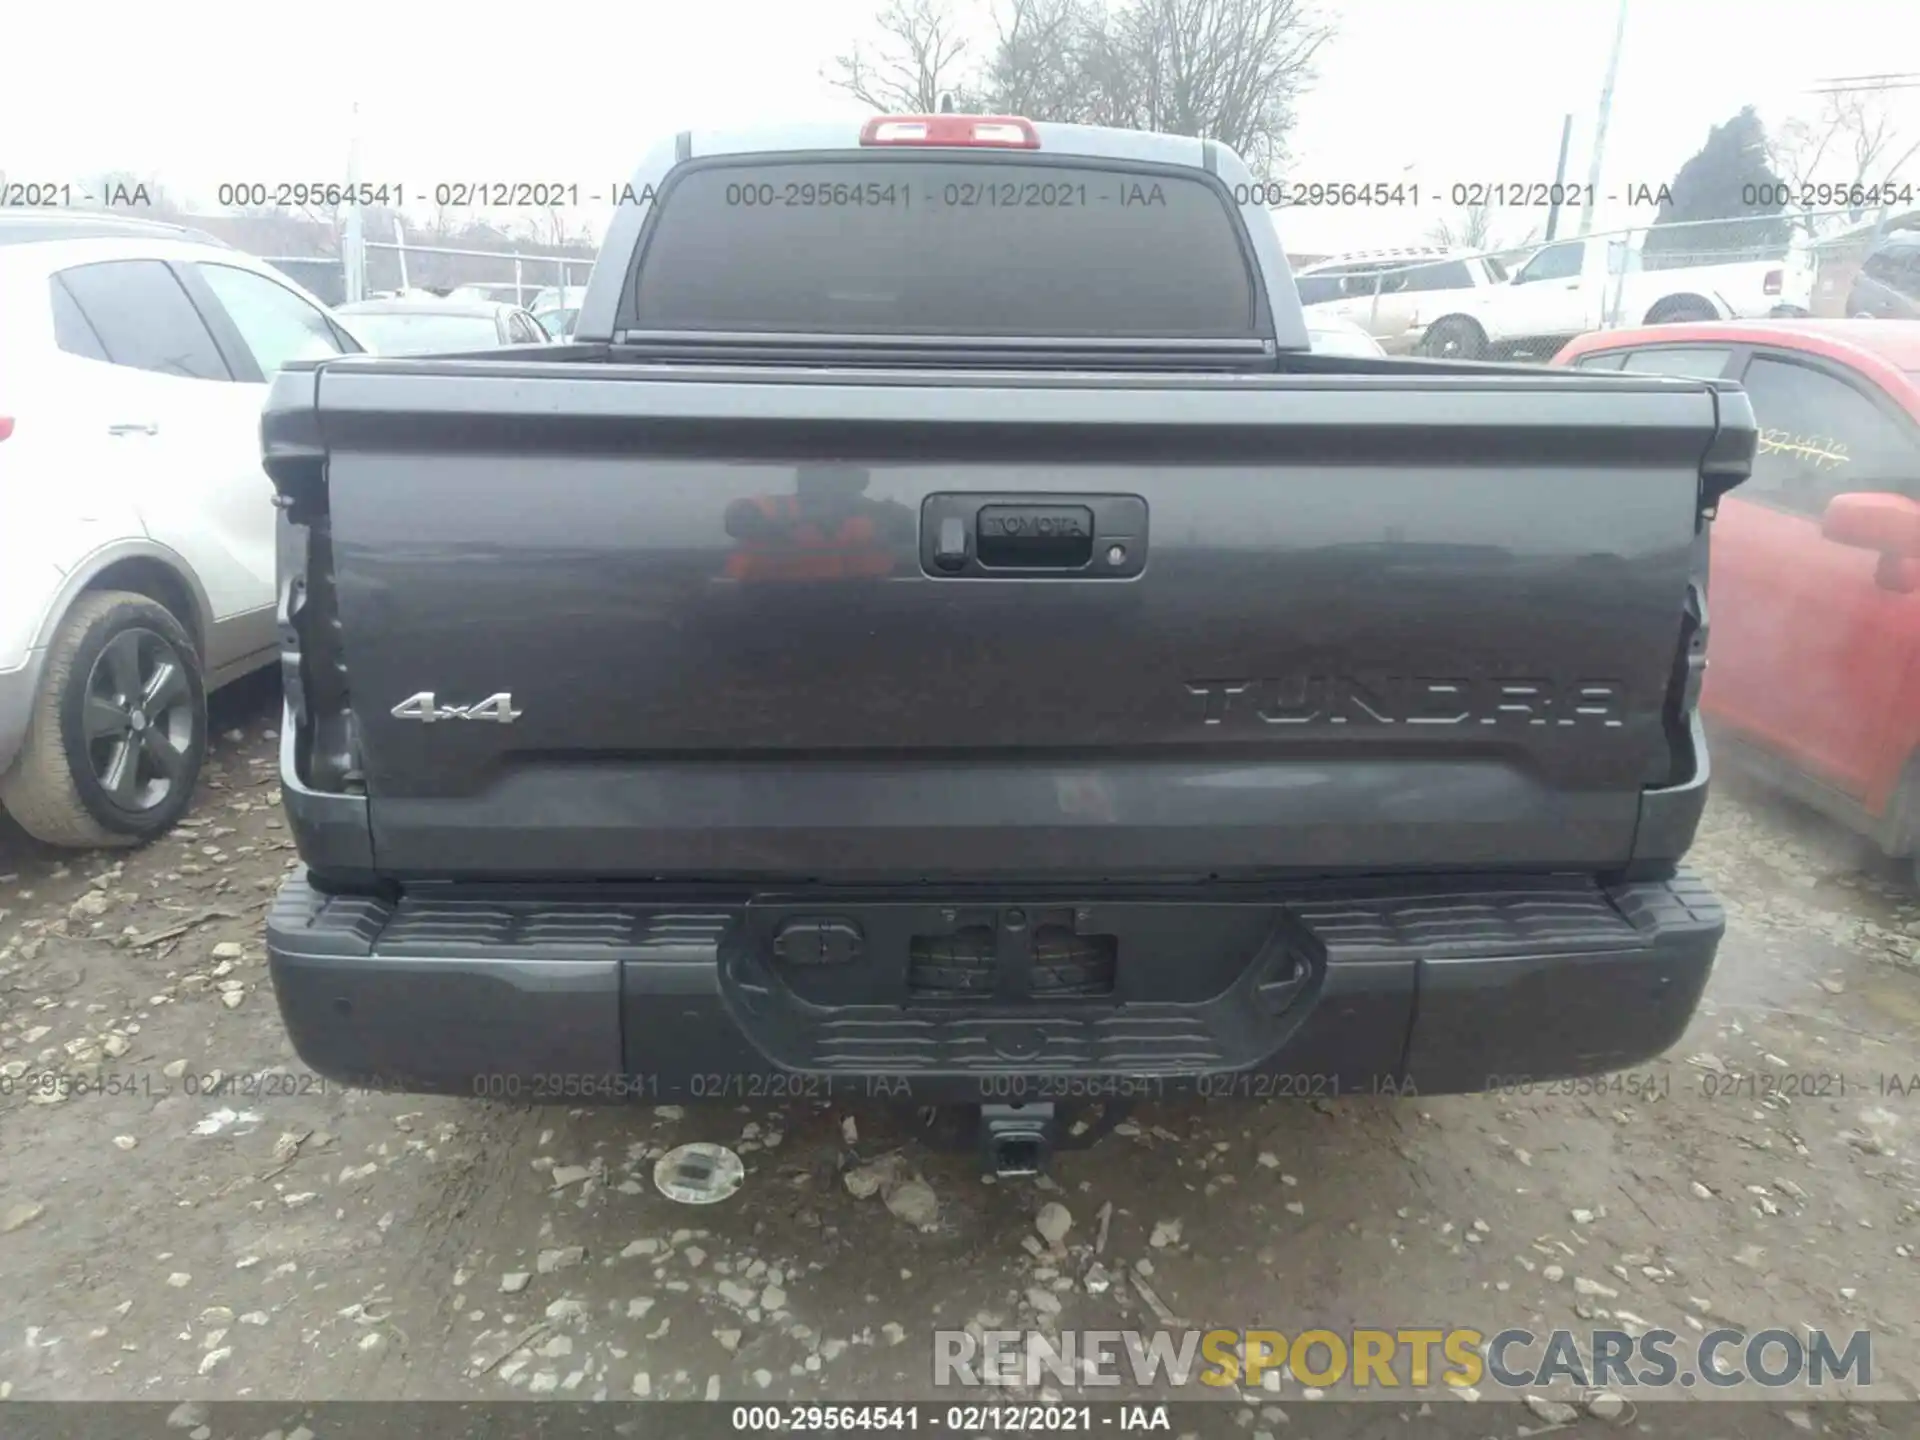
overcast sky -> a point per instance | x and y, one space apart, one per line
1434 90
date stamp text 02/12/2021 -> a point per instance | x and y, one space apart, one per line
20 1084
776 189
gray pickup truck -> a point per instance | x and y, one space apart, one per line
940 633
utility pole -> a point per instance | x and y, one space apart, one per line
1600 122
1559 179
353 252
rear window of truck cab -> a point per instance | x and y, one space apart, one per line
937 245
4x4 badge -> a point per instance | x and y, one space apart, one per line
421 707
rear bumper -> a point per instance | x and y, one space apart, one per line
1432 986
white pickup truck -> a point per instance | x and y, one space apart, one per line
1592 283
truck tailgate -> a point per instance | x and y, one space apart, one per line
1353 622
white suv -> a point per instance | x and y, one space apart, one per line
1395 295
136 525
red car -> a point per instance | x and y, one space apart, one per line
1814 673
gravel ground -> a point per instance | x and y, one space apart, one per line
262 1234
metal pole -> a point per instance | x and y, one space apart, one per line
1600 122
354 254
1559 178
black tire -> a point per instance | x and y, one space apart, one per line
78 777
1454 338
1679 312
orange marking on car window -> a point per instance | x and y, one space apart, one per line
1823 450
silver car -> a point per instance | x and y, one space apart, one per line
410 326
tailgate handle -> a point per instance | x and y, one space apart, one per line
1058 536
1034 537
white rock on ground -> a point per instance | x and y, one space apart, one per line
1605 1405
914 1202
865 1180
22 1214
1053 1222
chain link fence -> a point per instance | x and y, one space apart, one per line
1509 304
513 276
1515 303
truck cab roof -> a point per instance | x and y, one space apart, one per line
1065 151
1085 141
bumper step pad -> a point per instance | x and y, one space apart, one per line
1442 985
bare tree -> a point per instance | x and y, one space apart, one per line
1230 70
444 227
919 54
326 223
444 222
1044 54
558 228
1854 140
1075 61
1471 228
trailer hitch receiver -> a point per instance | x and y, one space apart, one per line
1017 1139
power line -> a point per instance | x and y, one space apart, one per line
1857 84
